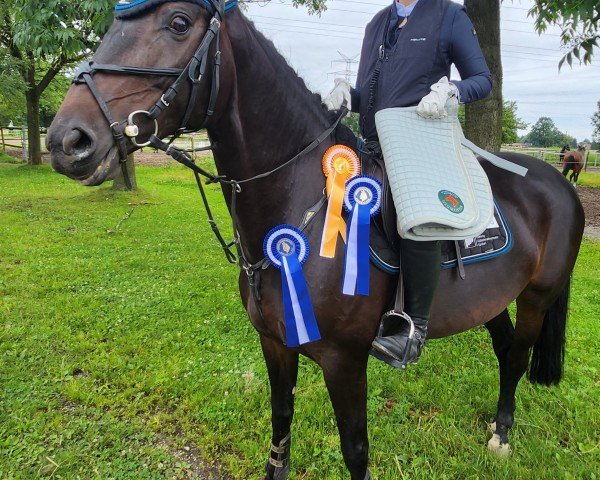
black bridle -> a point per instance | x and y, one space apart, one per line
193 72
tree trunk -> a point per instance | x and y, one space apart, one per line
119 181
33 126
483 124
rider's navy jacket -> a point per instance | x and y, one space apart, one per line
398 66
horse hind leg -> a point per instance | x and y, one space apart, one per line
282 366
541 320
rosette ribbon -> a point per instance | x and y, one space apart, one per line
340 163
362 201
287 249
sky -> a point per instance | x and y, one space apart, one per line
312 45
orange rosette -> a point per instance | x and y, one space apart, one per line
340 164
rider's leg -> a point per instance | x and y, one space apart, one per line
420 272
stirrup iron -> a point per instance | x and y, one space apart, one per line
413 340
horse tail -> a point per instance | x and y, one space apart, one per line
547 358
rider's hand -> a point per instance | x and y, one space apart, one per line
339 94
433 104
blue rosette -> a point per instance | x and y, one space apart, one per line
362 201
287 248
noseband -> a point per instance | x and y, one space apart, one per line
194 72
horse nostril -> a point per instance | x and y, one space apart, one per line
77 142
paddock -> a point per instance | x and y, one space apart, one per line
123 358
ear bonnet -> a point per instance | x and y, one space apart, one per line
130 8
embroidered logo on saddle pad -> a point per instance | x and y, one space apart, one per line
451 201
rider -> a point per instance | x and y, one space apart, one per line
407 51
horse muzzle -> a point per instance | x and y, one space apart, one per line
78 152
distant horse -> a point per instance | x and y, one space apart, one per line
263 116
574 161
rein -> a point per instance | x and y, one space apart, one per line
182 157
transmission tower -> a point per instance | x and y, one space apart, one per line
347 73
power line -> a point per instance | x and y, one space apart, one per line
307 21
346 26
362 28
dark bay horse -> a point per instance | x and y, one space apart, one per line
263 116
574 162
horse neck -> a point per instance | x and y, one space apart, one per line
271 116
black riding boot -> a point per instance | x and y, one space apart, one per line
400 340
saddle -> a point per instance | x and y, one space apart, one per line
443 143
496 239
385 240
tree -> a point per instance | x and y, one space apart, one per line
352 121
12 96
484 118
12 105
544 133
42 38
579 21
511 124
314 6
52 98
596 124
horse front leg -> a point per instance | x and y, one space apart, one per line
346 379
282 365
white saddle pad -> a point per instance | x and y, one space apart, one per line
440 190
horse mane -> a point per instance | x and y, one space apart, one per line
284 71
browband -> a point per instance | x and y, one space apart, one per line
130 8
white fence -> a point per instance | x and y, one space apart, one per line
592 159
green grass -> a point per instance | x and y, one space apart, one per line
589 179
122 340
4 158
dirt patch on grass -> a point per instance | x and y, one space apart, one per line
196 466
145 157
590 199
149 158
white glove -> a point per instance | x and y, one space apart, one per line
433 104
339 94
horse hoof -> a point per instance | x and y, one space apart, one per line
499 449
492 427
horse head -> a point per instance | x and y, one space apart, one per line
152 72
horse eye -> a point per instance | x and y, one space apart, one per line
179 25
